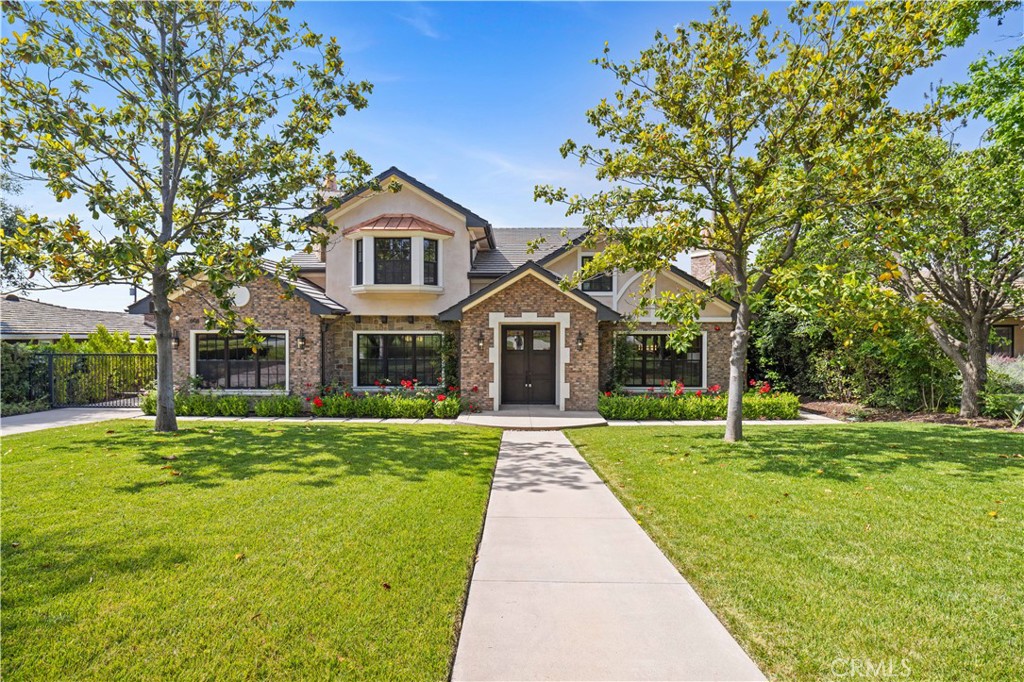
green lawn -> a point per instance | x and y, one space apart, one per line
819 546
279 552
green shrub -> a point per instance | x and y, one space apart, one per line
692 407
409 408
335 406
232 405
148 402
448 408
1000 405
23 375
278 406
12 409
195 404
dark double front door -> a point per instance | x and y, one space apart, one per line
528 365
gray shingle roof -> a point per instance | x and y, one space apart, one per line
308 261
512 248
22 318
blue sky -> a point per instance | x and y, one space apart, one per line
475 98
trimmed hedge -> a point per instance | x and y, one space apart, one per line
693 407
381 406
278 406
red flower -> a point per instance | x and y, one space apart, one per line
317 402
607 394
327 389
452 389
679 391
699 393
717 328
475 389
376 382
715 388
442 398
347 394
308 399
753 382
766 388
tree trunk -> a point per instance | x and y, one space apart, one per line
974 372
738 373
165 417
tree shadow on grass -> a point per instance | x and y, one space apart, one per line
840 453
212 455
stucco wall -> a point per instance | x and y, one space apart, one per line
454 264
271 311
530 300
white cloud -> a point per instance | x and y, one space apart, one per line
421 18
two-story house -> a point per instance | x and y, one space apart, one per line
405 268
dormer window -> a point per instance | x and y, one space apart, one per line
392 260
599 283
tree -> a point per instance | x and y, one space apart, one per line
719 140
192 128
942 237
12 272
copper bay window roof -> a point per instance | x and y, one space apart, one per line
399 222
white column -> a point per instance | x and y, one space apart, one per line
368 260
417 260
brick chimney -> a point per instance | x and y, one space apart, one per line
706 265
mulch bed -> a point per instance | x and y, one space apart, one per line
855 412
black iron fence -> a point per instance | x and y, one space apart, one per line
98 379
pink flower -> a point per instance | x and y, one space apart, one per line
753 382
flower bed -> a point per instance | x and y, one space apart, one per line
676 404
407 401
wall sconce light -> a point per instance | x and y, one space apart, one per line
301 340
579 341
383 319
410 319
175 340
480 340
359 319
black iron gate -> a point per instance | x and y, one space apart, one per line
99 379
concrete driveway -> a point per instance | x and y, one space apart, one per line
66 416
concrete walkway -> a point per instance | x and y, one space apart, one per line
533 418
568 587
65 416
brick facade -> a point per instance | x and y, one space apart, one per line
341 332
529 300
271 311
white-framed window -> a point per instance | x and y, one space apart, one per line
358 268
227 362
650 362
603 283
391 357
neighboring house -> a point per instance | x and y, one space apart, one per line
26 321
1009 335
403 269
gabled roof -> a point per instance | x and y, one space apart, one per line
400 221
308 261
22 318
472 219
512 248
319 302
455 312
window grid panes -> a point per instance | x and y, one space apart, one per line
359 261
1004 340
430 261
392 260
651 362
393 357
228 362
598 283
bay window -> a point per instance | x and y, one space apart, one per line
392 262
430 262
228 362
649 361
391 358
